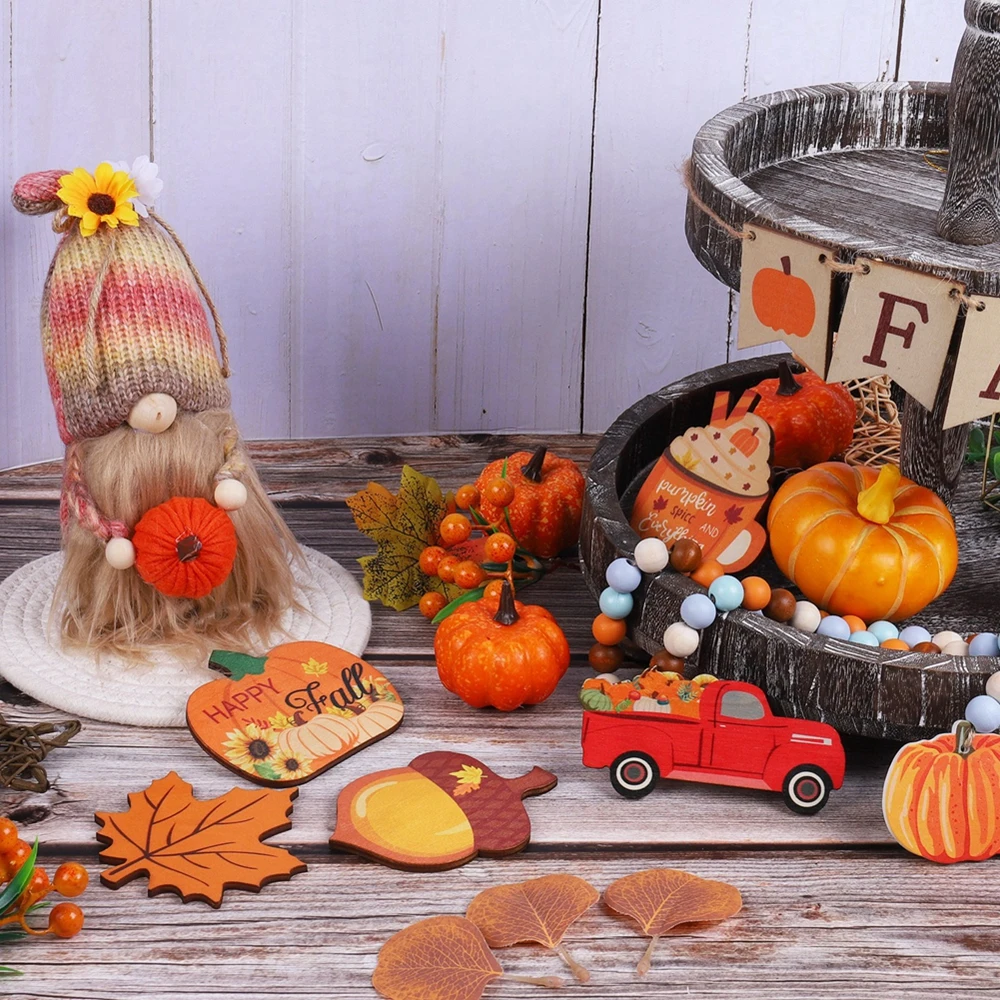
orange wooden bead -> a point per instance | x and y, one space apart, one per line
707 572
857 624
756 593
926 647
608 631
894 644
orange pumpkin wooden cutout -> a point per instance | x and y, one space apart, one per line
197 849
284 718
660 899
437 813
941 798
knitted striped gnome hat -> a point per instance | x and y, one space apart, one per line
122 317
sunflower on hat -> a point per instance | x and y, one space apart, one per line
102 197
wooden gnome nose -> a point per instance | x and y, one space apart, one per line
153 413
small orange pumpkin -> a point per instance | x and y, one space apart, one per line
500 652
783 302
544 515
875 546
812 420
185 547
941 797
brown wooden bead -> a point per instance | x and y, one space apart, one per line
781 607
926 647
662 660
685 556
605 659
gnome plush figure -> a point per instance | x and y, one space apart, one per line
169 538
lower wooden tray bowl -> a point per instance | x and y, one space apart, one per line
857 689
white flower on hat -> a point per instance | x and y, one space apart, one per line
144 175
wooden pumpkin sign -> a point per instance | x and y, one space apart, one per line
857 542
941 797
711 485
437 813
284 718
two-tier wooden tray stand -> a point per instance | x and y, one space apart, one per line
846 167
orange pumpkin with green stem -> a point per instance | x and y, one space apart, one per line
500 652
544 513
861 543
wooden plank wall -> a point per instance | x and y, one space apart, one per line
418 215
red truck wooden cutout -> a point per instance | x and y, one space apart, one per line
733 740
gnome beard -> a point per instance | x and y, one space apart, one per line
121 475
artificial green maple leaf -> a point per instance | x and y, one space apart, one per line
402 526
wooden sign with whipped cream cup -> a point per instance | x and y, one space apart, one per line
711 484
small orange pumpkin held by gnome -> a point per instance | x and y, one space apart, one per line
858 542
185 547
941 797
544 514
500 652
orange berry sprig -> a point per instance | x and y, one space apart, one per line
25 885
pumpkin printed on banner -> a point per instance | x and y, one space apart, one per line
812 420
544 512
500 652
941 797
857 542
284 718
185 547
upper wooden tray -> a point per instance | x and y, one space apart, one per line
839 164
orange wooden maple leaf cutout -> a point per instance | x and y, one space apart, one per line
441 958
659 899
539 910
197 849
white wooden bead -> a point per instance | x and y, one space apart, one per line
610 678
993 686
945 638
230 494
651 555
806 617
958 647
120 553
153 413
680 640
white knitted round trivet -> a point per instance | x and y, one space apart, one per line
155 693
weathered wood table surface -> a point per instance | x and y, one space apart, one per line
832 908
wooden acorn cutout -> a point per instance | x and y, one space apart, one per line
284 718
439 812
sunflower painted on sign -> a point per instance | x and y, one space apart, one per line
251 747
102 197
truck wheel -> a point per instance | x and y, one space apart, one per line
634 775
806 789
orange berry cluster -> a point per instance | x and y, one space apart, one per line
69 880
454 530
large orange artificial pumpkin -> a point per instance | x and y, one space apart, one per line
544 515
185 547
941 797
875 546
812 420
500 652
782 301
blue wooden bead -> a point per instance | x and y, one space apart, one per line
883 630
835 627
727 592
984 644
984 713
698 611
914 634
615 604
623 576
864 638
